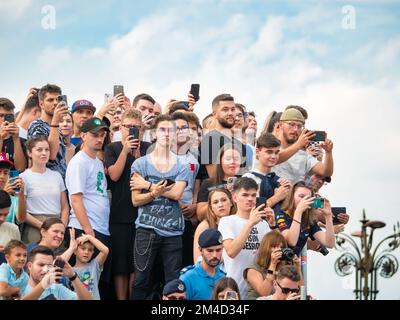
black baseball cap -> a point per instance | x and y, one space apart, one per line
94 125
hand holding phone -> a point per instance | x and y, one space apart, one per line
134 132
231 295
13 174
318 203
335 212
169 182
195 91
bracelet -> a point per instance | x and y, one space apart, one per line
54 125
274 227
148 189
73 277
296 221
269 271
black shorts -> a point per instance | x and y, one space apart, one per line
122 237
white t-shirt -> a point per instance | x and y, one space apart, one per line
8 231
86 175
230 227
23 133
43 191
296 168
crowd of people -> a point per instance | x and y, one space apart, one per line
135 201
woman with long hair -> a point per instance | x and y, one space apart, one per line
45 191
67 130
220 204
228 168
298 218
270 258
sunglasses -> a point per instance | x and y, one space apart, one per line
176 298
287 290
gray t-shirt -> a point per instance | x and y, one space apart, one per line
296 168
162 214
193 165
89 276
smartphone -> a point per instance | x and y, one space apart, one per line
318 203
107 97
14 174
319 136
335 212
195 90
231 295
9 117
169 182
134 132
59 263
259 202
118 89
62 98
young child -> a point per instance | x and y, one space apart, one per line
272 189
13 278
89 271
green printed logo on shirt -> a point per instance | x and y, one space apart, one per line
100 178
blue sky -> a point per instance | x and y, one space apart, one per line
267 54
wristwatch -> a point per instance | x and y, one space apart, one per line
73 277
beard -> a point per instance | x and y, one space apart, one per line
225 124
290 140
212 262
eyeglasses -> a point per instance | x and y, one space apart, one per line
295 125
176 298
288 290
165 130
182 129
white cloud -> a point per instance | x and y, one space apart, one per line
53 59
14 9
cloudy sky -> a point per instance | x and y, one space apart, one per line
339 62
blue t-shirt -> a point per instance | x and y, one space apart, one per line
162 214
284 221
199 284
57 290
8 275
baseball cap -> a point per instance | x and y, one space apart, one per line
292 115
4 159
210 237
94 125
173 286
83 104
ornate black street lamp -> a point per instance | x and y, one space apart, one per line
367 263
